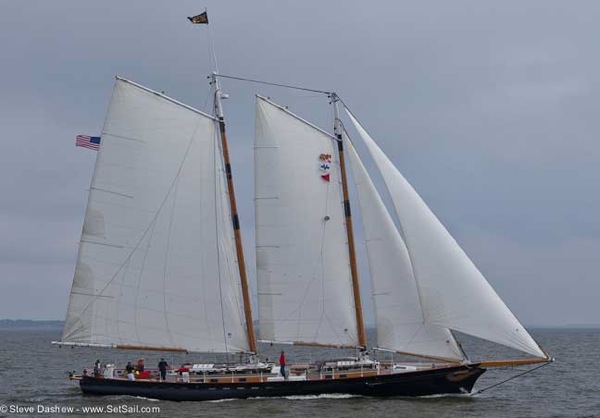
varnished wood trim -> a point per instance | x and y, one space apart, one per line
515 362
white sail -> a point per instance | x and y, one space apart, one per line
454 294
398 315
304 282
156 264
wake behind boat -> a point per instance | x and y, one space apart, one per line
161 265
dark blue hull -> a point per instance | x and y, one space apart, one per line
456 379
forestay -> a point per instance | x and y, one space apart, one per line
304 283
453 292
398 315
156 264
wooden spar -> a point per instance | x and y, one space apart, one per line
119 346
424 356
306 344
235 219
362 336
146 348
515 362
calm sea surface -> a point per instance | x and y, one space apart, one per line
33 374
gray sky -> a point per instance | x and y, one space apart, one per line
488 108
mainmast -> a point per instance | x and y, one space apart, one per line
234 215
202 18
337 130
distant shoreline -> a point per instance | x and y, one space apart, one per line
6 324
567 326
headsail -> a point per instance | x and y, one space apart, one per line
399 318
454 294
304 284
156 265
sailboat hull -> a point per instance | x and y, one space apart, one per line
450 380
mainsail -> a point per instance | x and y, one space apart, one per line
304 284
399 317
156 266
453 293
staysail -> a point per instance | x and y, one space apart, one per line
156 266
304 283
453 292
399 318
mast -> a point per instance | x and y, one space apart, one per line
203 19
337 130
234 216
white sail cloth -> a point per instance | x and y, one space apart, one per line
304 283
453 292
156 264
398 315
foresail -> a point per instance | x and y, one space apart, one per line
398 315
454 294
156 265
304 282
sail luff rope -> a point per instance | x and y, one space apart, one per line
512 378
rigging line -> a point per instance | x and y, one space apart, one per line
398 224
346 106
401 230
513 377
205 107
273 84
168 248
212 46
218 169
138 288
144 234
324 313
230 257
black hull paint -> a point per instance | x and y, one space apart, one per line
458 379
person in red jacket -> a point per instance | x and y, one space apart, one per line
282 363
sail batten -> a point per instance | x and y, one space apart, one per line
303 271
156 266
453 292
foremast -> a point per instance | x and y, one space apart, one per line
234 214
337 130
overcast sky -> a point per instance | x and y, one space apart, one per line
488 108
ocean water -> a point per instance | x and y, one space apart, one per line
33 382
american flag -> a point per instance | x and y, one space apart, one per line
91 142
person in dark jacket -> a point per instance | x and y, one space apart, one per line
129 371
162 367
